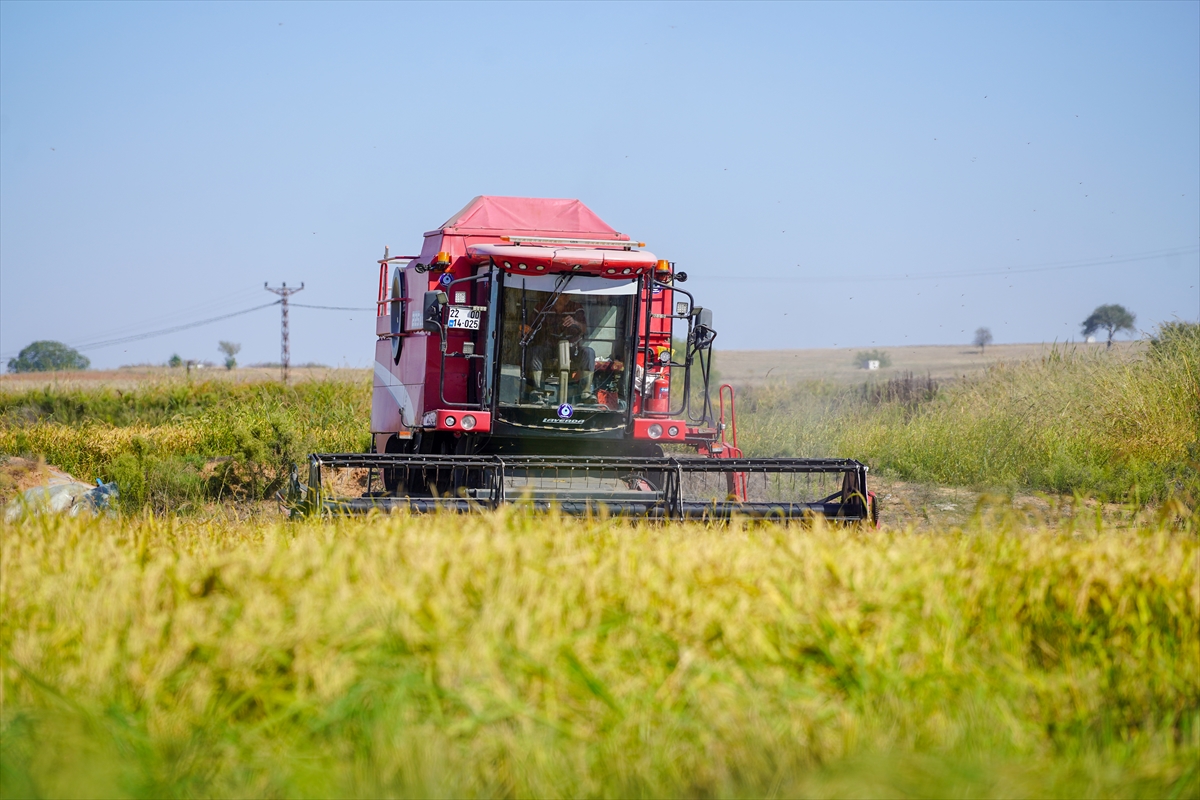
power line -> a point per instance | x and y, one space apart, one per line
172 315
96 344
966 274
331 308
174 329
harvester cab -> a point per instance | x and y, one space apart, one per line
532 353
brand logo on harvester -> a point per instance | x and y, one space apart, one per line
565 410
446 279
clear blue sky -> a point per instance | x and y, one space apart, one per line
160 161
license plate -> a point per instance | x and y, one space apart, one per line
464 317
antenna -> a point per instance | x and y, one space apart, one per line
285 352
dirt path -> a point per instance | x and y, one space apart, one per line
925 506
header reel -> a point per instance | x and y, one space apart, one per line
661 488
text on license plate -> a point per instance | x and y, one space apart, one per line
464 317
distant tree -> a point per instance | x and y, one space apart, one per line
47 356
983 337
862 357
175 361
1112 318
230 349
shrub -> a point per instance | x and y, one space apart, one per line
863 356
906 390
1176 339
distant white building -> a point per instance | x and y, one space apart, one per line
872 364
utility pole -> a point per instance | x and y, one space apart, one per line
285 353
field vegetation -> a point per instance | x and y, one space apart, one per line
1075 420
174 445
176 650
508 655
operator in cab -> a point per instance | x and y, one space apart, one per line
558 347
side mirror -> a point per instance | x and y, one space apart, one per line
432 310
702 334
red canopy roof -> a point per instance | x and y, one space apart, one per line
495 216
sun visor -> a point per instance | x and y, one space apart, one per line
576 284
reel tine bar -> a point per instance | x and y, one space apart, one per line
664 487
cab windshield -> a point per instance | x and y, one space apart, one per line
566 339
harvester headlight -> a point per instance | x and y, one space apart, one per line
626 271
468 422
450 421
508 264
539 267
672 431
655 431
522 266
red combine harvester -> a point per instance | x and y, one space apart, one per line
533 354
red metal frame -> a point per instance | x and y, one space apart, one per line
737 480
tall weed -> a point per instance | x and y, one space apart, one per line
1072 421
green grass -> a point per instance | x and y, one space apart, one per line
173 445
1073 421
519 656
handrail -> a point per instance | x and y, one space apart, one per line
732 415
382 298
738 482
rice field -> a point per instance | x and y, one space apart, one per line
199 644
508 655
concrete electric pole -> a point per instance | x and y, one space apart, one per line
285 353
